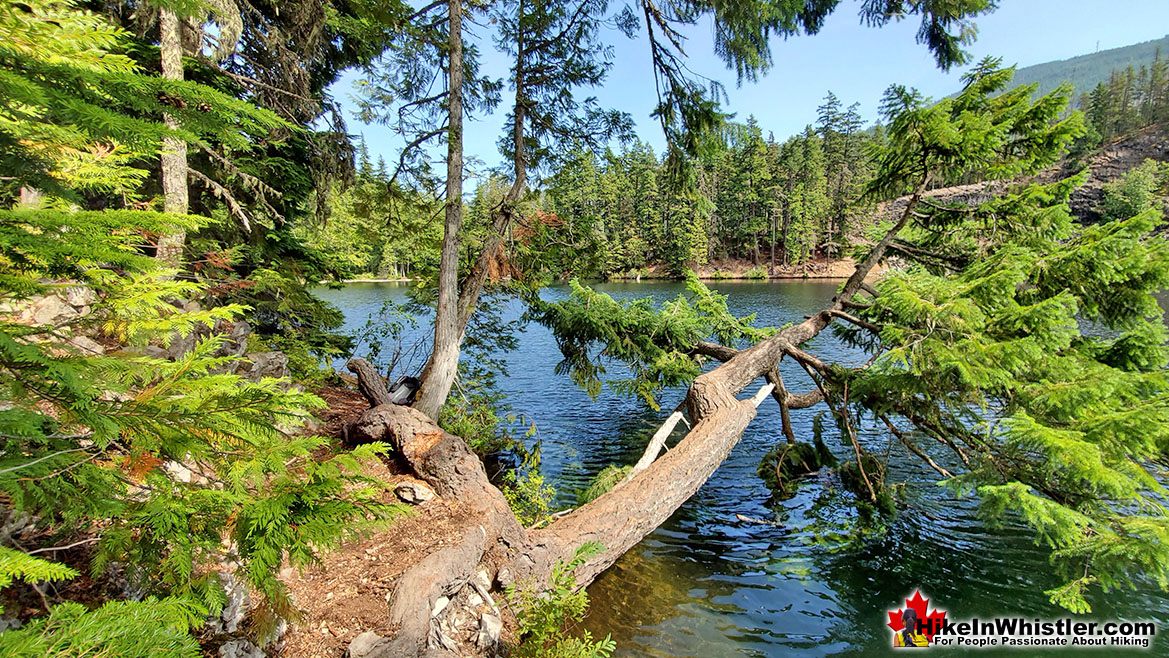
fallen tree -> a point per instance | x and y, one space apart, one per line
1002 329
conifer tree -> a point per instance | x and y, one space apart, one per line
984 364
170 468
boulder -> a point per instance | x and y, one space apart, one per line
80 296
87 346
51 310
237 337
490 630
414 492
240 649
237 604
178 471
264 364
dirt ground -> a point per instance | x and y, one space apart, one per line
347 593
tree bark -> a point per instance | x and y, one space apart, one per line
441 368
618 519
447 464
174 151
369 381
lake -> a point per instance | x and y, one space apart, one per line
801 583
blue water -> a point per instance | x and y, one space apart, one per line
706 584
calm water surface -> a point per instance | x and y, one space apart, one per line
707 584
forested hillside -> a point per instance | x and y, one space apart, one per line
1086 71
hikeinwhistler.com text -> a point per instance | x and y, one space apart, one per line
1006 632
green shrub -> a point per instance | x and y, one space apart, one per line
758 273
544 617
1143 188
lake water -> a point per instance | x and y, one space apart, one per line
706 584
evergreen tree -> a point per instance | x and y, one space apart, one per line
91 440
989 347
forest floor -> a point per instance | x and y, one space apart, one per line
348 592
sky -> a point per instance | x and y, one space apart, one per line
856 62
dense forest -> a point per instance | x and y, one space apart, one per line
181 459
748 207
747 199
1130 99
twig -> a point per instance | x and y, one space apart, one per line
83 542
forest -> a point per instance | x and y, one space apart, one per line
201 455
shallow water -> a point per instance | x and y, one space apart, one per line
706 584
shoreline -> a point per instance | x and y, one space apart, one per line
834 270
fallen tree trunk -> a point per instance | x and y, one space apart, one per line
369 382
616 520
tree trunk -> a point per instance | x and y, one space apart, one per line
617 520
772 271
174 151
441 368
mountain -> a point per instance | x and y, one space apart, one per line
1087 71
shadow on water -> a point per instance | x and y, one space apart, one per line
707 584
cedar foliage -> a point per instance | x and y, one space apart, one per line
1027 350
88 438
592 330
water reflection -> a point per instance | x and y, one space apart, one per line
709 585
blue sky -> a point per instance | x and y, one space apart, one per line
856 62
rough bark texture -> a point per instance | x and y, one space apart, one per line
446 463
174 151
369 382
617 520
441 368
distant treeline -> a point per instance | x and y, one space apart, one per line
746 199
1132 98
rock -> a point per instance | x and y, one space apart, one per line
264 364
503 578
86 345
80 296
237 604
237 337
51 310
414 492
152 351
177 471
443 632
180 345
483 579
490 630
439 605
10 624
474 600
240 649
364 644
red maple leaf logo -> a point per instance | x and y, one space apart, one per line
931 620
